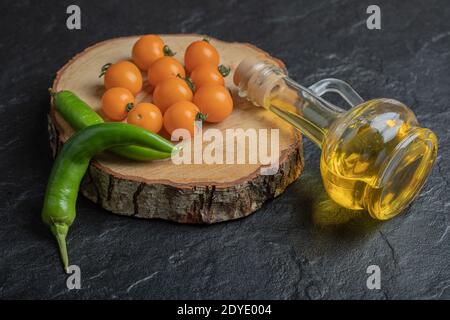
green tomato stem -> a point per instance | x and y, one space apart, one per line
224 71
168 52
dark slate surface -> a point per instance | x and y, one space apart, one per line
297 246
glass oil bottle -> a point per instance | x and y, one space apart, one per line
375 156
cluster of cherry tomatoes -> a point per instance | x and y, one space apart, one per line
181 94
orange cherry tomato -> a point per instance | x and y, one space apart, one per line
116 102
164 68
147 50
215 102
170 91
181 115
200 52
206 74
147 116
123 74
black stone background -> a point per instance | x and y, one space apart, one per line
299 245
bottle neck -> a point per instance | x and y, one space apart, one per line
268 86
310 114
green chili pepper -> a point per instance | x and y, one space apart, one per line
71 164
80 115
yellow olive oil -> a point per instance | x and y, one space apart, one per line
356 171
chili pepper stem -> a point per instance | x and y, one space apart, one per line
60 233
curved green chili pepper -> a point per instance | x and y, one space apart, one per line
71 164
80 115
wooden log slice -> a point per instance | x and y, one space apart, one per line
188 193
